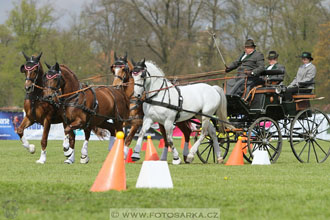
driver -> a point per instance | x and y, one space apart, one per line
250 64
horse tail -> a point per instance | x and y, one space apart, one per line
222 111
100 133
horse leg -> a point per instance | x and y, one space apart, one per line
84 150
71 157
20 131
168 125
165 150
66 143
193 150
213 133
130 137
147 122
186 130
45 133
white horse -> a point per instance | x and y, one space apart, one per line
196 98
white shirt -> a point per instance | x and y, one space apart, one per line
243 57
270 67
307 64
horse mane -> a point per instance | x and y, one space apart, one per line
153 69
63 66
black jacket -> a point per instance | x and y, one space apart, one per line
253 62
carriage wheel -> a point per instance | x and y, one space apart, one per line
309 136
265 134
205 150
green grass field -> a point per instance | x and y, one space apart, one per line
285 190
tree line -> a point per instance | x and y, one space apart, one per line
173 33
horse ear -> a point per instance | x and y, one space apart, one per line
38 57
116 58
143 61
22 69
125 57
25 56
48 66
134 64
57 66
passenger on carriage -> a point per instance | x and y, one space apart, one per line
274 65
249 66
304 80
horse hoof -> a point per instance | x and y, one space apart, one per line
185 159
84 159
67 152
221 160
40 161
32 148
190 158
176 161
68 161
135 156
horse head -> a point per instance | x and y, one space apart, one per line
33 72
52 81
121 70
139 74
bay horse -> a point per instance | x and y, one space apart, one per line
166 103
84 108
36 109
122 70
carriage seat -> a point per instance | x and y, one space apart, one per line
273 77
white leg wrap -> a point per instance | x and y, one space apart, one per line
164 154
70 159
111 142
42 158
125 152
186 149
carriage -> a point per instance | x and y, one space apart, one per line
267 116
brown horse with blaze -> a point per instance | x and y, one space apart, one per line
85 108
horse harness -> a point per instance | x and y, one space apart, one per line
178 108
73 101
149 100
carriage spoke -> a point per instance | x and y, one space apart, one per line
205 149
302 149
300 141
318 124
272 147
320 139
317 159
213 154
313 121
208 155
309 151
320 147
302 125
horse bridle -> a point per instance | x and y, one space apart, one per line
29 70
121 64
57 89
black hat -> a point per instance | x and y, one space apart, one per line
272 55
307 55
249 43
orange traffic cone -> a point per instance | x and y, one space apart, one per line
144 146
161 143
128 157
236 156
151 153
112 174
183 140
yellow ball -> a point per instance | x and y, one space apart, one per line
239 138
149 137
120 135
225 178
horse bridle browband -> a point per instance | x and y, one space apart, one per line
121 64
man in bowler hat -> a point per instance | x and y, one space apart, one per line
249 66
274 65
